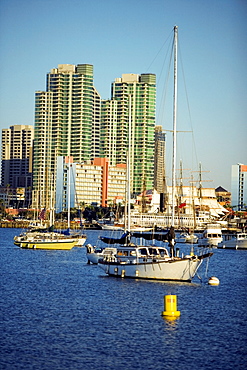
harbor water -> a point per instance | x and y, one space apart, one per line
58 312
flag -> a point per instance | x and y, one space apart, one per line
42 214
181 205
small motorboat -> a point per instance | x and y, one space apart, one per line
211 236
237 241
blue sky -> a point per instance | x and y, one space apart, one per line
130 36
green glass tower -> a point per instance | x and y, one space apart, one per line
141 90
67 117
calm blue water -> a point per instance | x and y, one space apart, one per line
57 312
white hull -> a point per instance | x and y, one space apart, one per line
211 237
187 238
239 242
112 227
181 269
209 242
94 257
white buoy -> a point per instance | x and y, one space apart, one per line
213 280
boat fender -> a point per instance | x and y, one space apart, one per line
213 280
89 248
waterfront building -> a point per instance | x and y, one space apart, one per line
159 160
17 144
195 207
109 130
90 182
141 91
239 186
96 122
67 123
223 196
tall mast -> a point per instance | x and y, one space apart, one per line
128 167
174 123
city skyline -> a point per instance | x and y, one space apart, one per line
69 122
129 37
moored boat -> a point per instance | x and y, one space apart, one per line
46 242
151 262
140 261
187 238
211 236
237 241
94 254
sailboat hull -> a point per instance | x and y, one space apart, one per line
49 244
180 269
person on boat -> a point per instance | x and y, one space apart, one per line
171 240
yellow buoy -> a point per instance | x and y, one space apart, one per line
213 280
170 307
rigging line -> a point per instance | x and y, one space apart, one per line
165 89
187 99
166 56
162 46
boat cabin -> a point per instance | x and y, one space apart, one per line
141 252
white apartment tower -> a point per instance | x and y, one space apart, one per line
239 186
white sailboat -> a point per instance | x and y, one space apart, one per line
136 260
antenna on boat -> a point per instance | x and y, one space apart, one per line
174 123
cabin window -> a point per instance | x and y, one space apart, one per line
162 252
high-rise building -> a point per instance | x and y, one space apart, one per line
159 160
17 145
109 129
91 182
140 90
239 186
67 123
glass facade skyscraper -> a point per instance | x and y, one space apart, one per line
67 123
141 90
